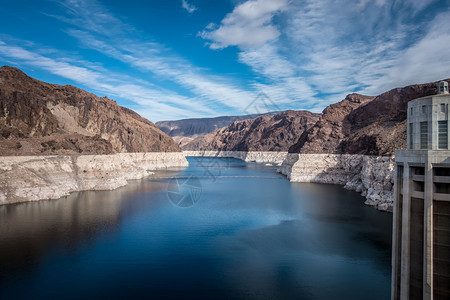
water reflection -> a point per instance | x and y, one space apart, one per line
29 231
253 234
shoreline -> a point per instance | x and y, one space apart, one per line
33 178
271 157
371 176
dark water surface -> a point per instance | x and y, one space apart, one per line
251 234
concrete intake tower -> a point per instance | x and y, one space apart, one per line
421 224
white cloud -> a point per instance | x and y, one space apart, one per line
362 4
418 5
154 103
249 25
91 14
188 7
325 49
206 87
304 55
427 60
221 95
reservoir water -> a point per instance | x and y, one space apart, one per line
219 229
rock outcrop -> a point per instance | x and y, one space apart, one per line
265 133
372 176
354 142
328 132
30 178
38 118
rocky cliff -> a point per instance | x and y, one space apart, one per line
30 178
354 142
363 125
38 118
372 176
265 133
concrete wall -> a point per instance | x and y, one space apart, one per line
429 110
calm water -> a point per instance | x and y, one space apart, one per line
251 234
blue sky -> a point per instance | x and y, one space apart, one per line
173 59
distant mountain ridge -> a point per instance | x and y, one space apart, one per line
359 124
198 126
265 133
43 118
185 130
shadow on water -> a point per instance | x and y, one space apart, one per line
29 231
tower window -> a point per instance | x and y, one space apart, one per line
412 111
442 107
411 136
424 109
442 135
423 135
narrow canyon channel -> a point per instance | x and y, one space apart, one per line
218 229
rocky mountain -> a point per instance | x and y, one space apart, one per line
363 125
331 128
42 118
184 131
265 133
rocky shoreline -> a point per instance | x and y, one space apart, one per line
372 176
31 178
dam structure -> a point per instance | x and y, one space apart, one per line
421 223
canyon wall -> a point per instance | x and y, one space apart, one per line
266 133
372 176
270 157
30 178
39 118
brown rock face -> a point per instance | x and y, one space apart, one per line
326 135
42 118
363 125
265 133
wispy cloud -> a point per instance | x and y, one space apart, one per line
324 49
161 103
210 90
97 29
302 54
249 25
190 8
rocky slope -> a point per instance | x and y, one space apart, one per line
38 118
265 133
363 125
